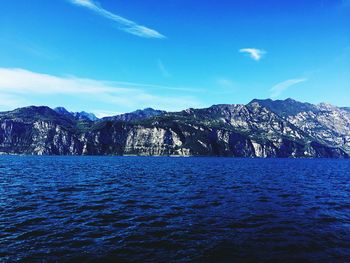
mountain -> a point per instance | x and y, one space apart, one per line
85 116
63 111
346 108
325 123
285 107
262 128
77 115
136 115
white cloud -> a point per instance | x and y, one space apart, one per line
279 88
124 24
254 53
18 84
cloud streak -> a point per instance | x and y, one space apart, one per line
124 24
163 70
253 53
20 85
226 83
279 88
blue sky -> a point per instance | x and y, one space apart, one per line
109 57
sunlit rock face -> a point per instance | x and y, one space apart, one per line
262 128
324 123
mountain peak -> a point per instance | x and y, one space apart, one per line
136 115
77 115
325 106
34 110
285 107
83 115
61 110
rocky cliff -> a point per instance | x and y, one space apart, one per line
262 128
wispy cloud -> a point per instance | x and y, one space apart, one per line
123 23
226 83
159 87
254 53
18 84
279 88
163 69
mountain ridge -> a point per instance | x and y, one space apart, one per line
261 128
82 115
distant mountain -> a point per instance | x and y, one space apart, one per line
285 107
262 128
63 111
85 116
346 109
77 115
136 115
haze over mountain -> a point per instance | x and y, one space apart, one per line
261 128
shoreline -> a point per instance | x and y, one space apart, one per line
169 156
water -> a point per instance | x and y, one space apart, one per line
124 209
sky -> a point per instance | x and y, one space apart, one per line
115 56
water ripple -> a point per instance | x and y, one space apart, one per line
132 209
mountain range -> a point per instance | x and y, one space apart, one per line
261 128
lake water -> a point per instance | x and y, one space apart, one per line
144 209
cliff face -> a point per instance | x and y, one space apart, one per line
325 123
262 128
41 131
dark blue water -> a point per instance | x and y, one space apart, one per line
174 209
